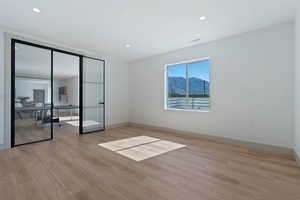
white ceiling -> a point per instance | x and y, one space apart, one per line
36 63
150 26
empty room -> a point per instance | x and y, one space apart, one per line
144 100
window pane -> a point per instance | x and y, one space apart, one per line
177 86
198 80
196 94
177 81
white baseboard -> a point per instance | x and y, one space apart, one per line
297 157
250 145
117 125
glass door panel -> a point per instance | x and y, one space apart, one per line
93 95
32 94
65 94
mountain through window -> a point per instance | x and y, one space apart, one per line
188 86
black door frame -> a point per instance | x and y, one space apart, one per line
13 43
81 95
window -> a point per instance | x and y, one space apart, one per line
187 85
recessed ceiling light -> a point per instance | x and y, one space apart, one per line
202 18
127 45
36 10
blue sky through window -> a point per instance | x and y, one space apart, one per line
197 69
177 71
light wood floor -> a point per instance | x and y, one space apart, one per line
75 167
27 131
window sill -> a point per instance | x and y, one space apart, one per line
187 110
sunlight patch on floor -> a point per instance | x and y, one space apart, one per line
141 147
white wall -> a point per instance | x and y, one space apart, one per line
72 85
25 87
56 85
116 95
73 90
251 88
116 87
261 113
1 88
297 83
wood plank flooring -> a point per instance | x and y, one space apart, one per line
27 131
75 167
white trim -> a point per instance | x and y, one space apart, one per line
166 84
188 61
188 110
225 140
297 158
165 87
112 126
7 97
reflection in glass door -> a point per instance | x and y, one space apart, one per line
31 94
92 95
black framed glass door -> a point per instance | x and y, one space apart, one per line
93 95
31 93
34 110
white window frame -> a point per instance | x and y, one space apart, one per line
166 84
